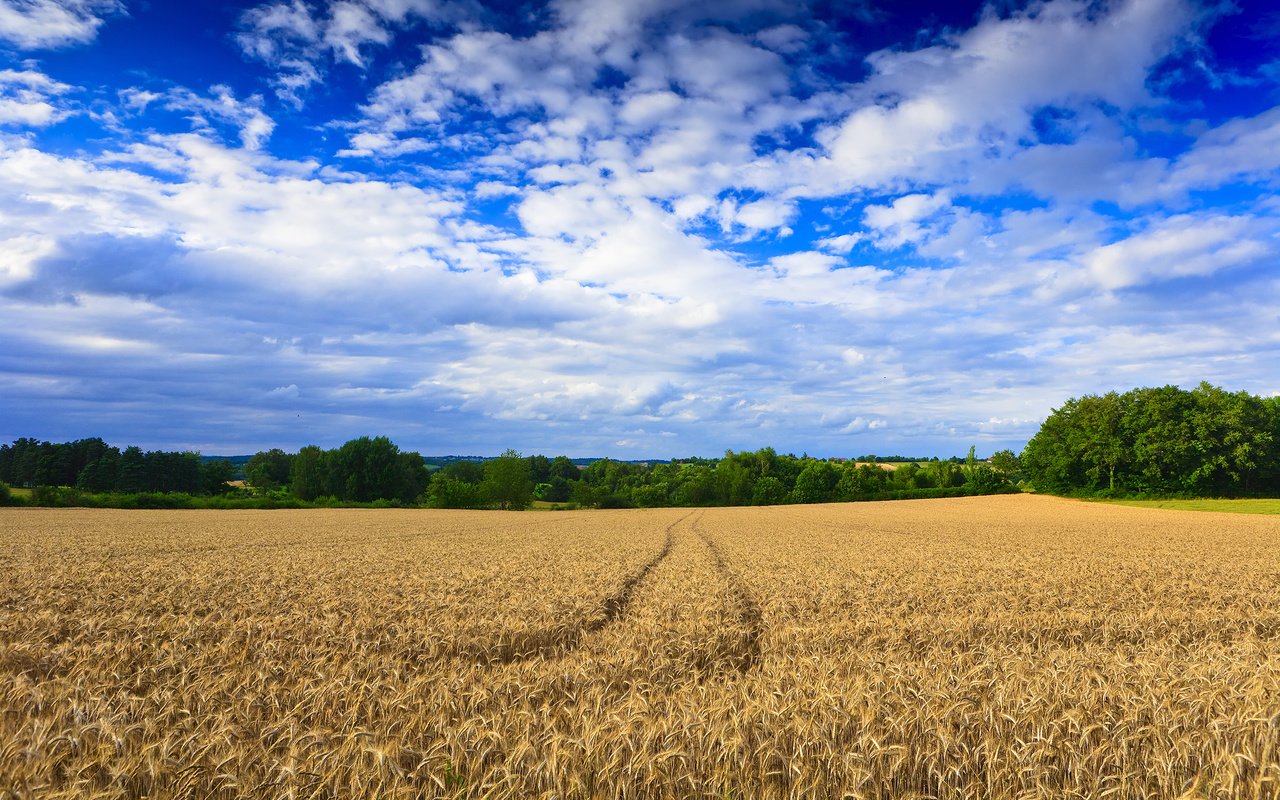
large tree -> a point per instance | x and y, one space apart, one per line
507 481
309 477
268 470
1163 440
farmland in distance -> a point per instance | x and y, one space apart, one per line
1001 647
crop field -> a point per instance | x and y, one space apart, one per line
994 647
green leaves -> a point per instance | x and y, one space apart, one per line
1162 440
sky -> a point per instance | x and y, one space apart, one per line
635 229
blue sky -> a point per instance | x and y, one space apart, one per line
636 229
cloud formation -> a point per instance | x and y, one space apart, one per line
36 24
640 229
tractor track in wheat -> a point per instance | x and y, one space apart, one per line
745 608
560 640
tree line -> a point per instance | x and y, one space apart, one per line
92 465
762 477
375 471
766 477
1204 442
1163 441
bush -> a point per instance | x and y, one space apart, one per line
448 492
58 497
158 500
613 501
6 496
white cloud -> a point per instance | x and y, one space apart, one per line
843 244
900 222
932 113
39 24
1180 247
252 124
301 38
1242 149
30 99
765 214
784 38
350 27
590 226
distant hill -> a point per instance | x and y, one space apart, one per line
236 462
440 462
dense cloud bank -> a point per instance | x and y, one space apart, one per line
634 229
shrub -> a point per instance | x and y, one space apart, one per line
613 501
58 497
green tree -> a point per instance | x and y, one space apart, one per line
507 482
364 469
309 477
268 470
941 474
368 469
816 483
216 475
132 473
1161 440
1234 439
695 485
561 467
447 491
858 482
101 475
1158 425
54 465
555 491
653 495
979 478
539 469
1006 463
465 471
768 491
734 481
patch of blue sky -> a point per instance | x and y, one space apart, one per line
556 192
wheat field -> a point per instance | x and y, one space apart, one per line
998 647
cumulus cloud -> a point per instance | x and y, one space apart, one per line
937 111
204 112
301 39
31 99
40 24
1181 246
1241 149
654 223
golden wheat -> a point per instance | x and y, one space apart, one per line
1008 647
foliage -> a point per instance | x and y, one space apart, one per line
1007 463
1159 441
363 470
373 470
309 476
91 465
368 469
268 470
216 475
6 496
447 491
507 481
